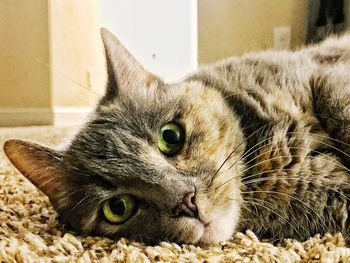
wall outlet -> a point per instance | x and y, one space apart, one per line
281 37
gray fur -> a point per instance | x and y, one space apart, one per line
277 124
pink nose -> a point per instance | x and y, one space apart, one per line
188 206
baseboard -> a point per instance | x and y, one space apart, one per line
71 116
59 116
13 117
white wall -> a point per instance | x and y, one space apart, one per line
161 34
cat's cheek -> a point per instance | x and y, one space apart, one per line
81 221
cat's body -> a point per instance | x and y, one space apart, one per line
295 110
265 148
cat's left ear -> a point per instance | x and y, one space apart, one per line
124 71
41 165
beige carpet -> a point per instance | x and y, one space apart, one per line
29 231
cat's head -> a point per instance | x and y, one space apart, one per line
150 163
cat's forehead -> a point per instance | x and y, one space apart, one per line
133 120
133 112
129 119
162 104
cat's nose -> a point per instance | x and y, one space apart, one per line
188 206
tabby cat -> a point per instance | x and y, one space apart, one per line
256 142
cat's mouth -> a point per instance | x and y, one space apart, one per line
215 224
206 232
213 232
203 222
203 231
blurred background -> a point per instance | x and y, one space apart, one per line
52 65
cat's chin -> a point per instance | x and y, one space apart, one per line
215 233
216 228
221 228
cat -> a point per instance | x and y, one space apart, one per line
256 142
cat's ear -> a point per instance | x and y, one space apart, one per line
124 71
41 165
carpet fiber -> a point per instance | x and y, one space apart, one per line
29 231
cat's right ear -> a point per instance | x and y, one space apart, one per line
41 165
125 73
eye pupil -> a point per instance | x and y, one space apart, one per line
171 137
119 209
117 206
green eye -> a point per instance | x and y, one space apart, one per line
171 138
119 209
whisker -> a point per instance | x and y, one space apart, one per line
297 199
279 148
243 156
285 169
280 216
77 204
330 188
286 178
322 136
277 157
66 196
290 147
236 147
327 117
71 79
262 179
267 160
290 206
265 201
293 177
250 153
239 93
